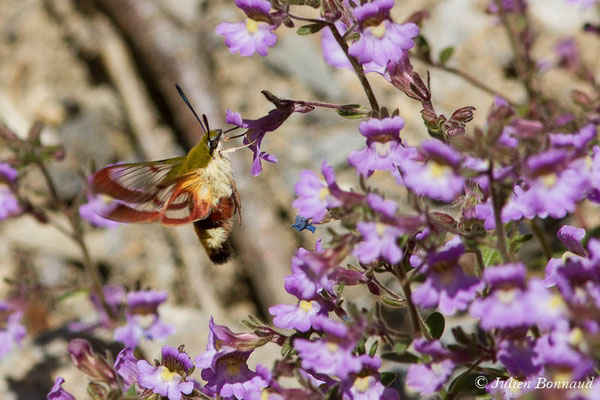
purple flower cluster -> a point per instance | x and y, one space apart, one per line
142 318
445 240
446 285
224 366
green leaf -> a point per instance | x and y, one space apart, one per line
407 358
445 54
436 324
393 302
490 255
286 349
353 111
387 378
516 242
373 348
360 347
310 29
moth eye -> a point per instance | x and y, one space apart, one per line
213 144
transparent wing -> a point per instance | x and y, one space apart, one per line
135 182
152 191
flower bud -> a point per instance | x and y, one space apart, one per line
97 391
463 114
85 359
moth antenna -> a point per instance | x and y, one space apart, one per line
206 122
231 129
187 102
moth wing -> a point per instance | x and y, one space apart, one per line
142 189
133 182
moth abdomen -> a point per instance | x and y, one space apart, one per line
215 240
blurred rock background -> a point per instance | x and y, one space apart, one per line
100 74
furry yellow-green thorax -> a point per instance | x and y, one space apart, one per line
203 152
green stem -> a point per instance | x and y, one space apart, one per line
77 236
522 60
358 69
497 206
480 262
417 320
537 231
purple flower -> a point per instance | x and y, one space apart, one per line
169 379
310 274
329 357
578 140
315 197
446 285
230 376
513 303
554 187
136 328
97 206
126 366
255 35
257 128
221 340
517 356
295 317
115 299
143 319
335 56
577 280
379 240
58 393
7 173
433 348
11 330
560 351
365 385
224 362
381 40
435 178
9 205
384 149
572 237
384 207
429 378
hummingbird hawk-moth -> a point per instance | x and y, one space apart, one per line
198 188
